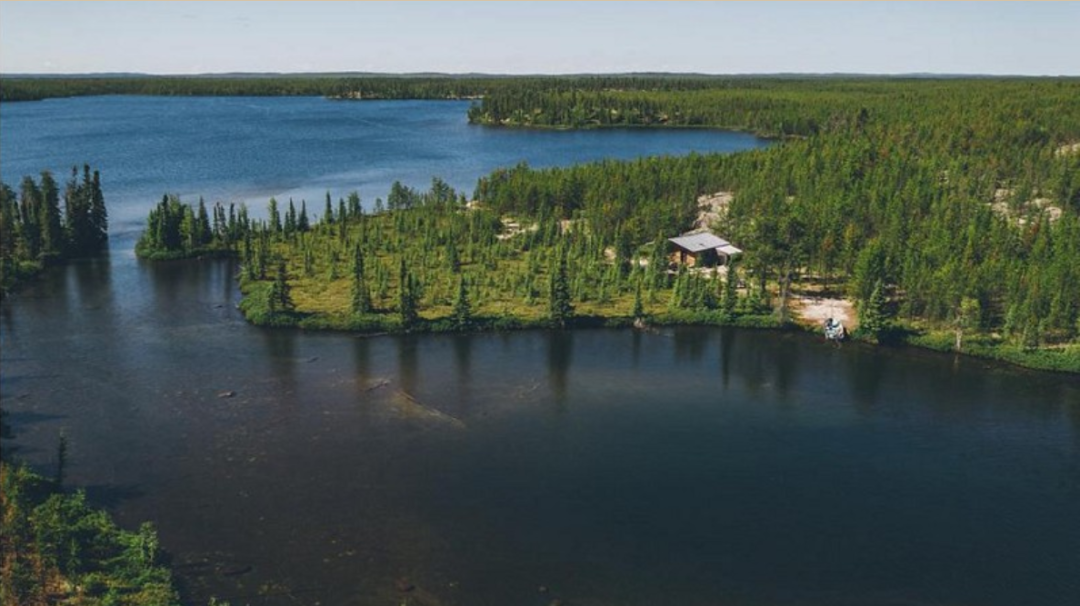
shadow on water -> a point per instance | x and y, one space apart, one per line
111 496
361 349
635 347
281 358
787 364
727 347
866 373
690 344
90 282
408 363
560 350
463 353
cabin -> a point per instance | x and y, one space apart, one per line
702 249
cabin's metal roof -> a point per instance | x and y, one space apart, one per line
699 242
729 249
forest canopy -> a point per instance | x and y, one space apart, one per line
940 204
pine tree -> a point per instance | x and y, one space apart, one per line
560 308
99 215
280 291
638 311
52 234
406 297
274 215
290 219
328 212
658 264
873 315
361 296
731 293
302 222
203 234
462 310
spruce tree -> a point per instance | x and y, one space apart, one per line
328 212
462 309
361 296
560 308
302 222
731 294
52 234
639 309
873 316
99 215
280 292
274 216
406 297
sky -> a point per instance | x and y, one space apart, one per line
1021 38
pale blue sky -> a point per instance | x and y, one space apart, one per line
541 37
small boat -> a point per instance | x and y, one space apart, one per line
834 330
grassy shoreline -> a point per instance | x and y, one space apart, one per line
1062 360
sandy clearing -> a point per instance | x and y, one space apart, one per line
813 311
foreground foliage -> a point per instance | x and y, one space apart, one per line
57 549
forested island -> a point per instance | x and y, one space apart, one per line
947 210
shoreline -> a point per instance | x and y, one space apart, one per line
1041 360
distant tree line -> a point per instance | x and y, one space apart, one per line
343 86
36 229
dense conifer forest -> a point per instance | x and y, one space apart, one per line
959 200
36 231
949 210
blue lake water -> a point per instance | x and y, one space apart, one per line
598 467
251 148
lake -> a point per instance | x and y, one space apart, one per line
247 149
594 467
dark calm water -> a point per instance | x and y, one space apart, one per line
689 466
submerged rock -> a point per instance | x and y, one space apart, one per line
404 585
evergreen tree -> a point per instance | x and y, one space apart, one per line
290 219
29 204
407 297
99 215
355 210
203 234
361 296
731 292
560 308
274 216
658 264
52 235
302 222
638 311
462 317
967 318
328 212
280 291
873 315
